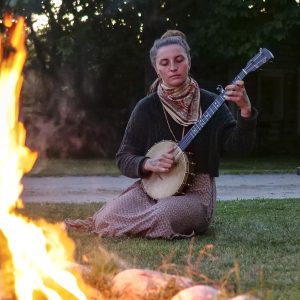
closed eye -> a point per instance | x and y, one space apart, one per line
164 62
179 58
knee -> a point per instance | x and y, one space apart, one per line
188 226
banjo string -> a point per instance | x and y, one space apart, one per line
178 154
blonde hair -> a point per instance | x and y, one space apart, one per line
170 37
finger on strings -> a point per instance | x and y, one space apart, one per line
167 156
166 166
168 160
230 87
172 149
240 83
230 92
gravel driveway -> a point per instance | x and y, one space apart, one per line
105 188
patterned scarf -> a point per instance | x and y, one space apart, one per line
182 103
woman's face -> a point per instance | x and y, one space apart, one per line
172 65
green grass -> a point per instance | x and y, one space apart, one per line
96 167
256 246
255 165
74 167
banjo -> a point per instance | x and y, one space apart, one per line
161 185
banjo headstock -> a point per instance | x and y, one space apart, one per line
263 56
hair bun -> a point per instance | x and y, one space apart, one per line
172 32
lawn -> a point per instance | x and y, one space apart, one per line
251 246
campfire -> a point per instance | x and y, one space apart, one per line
36 258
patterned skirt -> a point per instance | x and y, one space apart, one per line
134 213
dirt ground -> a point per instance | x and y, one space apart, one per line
104 188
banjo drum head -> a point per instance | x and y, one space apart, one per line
163 185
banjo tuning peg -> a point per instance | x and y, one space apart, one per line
220 89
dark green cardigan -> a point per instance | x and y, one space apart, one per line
147 125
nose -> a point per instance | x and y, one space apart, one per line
173 66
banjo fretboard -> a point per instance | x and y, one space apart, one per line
253 64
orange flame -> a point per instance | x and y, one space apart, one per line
40 254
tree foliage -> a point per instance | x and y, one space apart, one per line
238 28
95 53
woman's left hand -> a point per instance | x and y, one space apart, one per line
236 93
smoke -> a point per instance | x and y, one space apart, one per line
56 126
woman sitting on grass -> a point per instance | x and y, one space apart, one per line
175 103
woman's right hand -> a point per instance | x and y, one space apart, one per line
160 164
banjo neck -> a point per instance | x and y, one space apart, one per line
206 116
202 121
253 64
